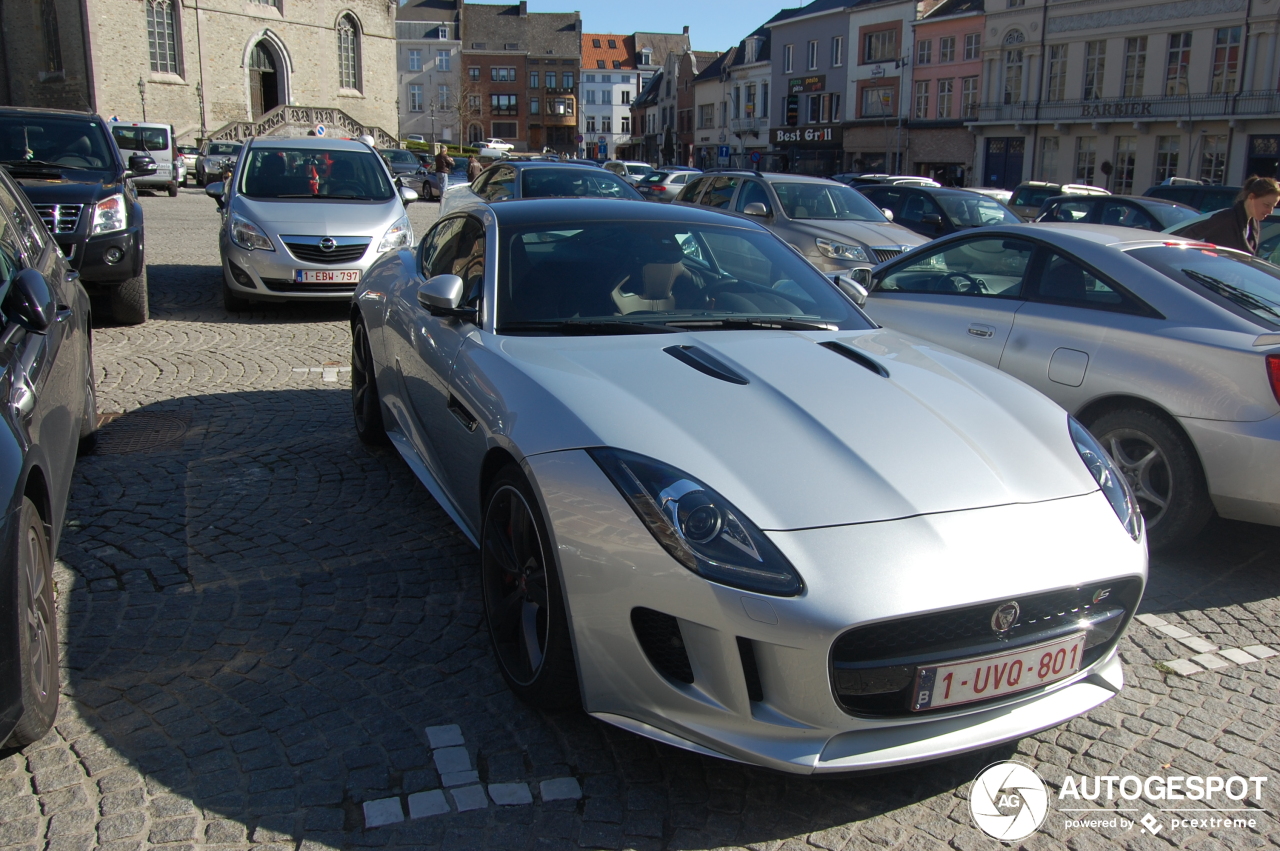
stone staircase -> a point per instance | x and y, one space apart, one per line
299 121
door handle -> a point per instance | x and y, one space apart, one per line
983 331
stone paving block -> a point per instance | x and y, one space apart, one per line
430 803
1210 661
1261 651
1198 644
451 760
469 798
460 778
383 811
444 736
1237 655
1152 620
560 789
1185 667
510 794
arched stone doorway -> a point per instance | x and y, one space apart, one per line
266 79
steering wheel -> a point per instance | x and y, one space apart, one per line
713 290
971 284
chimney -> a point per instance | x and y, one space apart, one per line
686 29
524 8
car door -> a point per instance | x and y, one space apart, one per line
1073 312
920 213
886 198
719 193
501 186
1069 210
962 295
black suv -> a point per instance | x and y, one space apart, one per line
78 180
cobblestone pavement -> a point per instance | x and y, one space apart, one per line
262 617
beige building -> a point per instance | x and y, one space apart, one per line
208 67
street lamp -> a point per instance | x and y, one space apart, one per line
142 93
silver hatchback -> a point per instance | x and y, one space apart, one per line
305 218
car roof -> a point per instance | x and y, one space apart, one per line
521 165
318 143
773 176
1110 235
932 190
30 110
538 210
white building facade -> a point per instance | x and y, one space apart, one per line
429 67
605 92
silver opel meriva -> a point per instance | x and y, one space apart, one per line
304 219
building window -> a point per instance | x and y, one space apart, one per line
972 44
1226 60
922 99
1095 65
1166 157
924 52
1126 158
1049 158
947 48
506 130
646 57
1086 158
787 57
595 42
551 79
591 124
1175 75
162 36
561 106
473 74
706 116
473 103
600 63
475 133
749 105
613 44
945 93
442 60
415 97
880 46
1056 85
533 79
764 100
348 53
442 96
52 44
1135 66
591 96
606 124
1015 3
606 78
877 101
442 33
415 60
606 96
1013 67
503 105
502 75
535 106
626 96
969 97
626 124
837 51
1213 160
813 55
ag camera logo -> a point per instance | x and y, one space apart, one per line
1008 801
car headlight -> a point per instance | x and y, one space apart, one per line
399 235
699 527
1108 476
249 236
841 251
109 215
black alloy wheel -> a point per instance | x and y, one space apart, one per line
522 599
37 630
366 405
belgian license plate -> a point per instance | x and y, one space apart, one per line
993 676
326 276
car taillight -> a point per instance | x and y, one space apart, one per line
659 189
1273 372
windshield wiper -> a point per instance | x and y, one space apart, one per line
783 323
41 164
1243 298
587 326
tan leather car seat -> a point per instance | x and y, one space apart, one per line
656 280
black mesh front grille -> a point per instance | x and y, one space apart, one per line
316 254
660 638
883 254
284 285
873 667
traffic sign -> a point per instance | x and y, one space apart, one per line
578 138
724 152
320 131
755 156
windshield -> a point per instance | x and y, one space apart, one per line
1170 215
221 149
68 142
1034 196
574 182
398 156
975 211
826 201
1234 280
638 169
188 150
659 275
140 138
311 173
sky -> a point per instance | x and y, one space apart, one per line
713 24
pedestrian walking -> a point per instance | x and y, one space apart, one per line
444 162
1238 226
473 168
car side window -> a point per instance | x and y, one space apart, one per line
887 199
720 193
501 186
680 180
1064 281
469 258
918 207
1126 216
690 192
439 247
28 234
752 193
985 266
1069 211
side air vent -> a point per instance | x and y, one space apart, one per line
660 638
751 673
856 356
706 363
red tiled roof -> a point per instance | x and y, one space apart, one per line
592 56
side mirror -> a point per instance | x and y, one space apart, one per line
931 219
852 287
888 214
30 301
141 165
214 191
755 208
407 195
442 296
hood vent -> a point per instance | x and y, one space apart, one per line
856 356
706 363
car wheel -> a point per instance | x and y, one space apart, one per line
89 423
366 404
522 600
129 300
233 303
1163 470
37 630
173 189
199 179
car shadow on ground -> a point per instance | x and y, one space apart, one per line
261 616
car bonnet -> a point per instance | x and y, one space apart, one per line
813 438
867 233
321 218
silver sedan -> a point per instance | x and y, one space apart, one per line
719 508
1167 349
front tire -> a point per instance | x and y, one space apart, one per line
129 303
233 303
523 603
89 424
173 189
1163 470
37 630
366 404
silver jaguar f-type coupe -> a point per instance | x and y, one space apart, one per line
720 507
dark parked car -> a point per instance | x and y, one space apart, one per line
1126 211
512 179
75 175
400 161
1206 199
934 211
47 384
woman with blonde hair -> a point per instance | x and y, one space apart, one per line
1238 226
